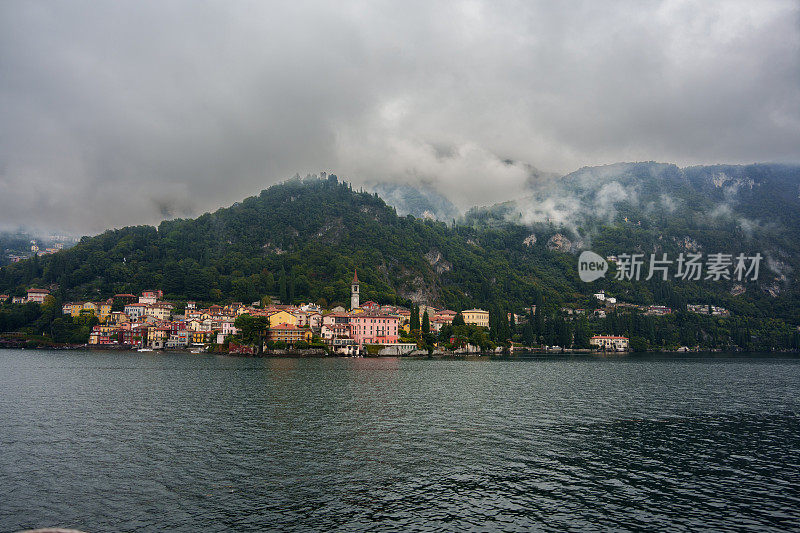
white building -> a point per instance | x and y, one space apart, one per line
136 310
600 296
610 343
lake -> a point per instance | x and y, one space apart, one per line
129 441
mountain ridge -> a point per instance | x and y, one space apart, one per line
301 239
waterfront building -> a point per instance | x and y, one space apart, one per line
179 339
288 333
610 343
375 329
157 336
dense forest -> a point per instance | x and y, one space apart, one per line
301 241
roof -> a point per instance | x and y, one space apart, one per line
44 291
287 327
608 337
355 275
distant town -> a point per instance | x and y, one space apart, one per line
34 247
147 322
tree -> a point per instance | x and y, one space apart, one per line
426 323
253 329
458 320
282 292
563 333
414 318
581 334
528 337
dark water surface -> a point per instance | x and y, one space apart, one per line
133 441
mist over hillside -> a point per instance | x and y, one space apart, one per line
420 202
300 240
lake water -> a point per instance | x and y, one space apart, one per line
134 441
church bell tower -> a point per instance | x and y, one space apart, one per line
354 292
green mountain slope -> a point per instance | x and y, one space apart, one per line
659 208
301 240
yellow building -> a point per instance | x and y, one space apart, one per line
157 336
282 317
102 310
289 333
159 311
476 317
200 337
118 317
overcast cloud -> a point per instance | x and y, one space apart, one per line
118 113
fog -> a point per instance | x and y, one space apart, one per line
128 112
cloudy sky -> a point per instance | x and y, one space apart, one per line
125 112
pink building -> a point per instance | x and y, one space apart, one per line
228 328
374 329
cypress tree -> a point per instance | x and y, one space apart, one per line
282 293
426 323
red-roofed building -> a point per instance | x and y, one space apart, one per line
288 333
37 295
370 306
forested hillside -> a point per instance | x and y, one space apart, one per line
659 208
301 240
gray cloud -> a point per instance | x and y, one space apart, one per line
125 112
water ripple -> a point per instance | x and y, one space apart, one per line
122 442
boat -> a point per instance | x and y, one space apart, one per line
144 350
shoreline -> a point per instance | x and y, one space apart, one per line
316 353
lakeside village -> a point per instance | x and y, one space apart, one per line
147 323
